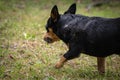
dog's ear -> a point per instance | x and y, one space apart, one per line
71 9
54 13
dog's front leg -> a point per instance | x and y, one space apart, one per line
72 53
61 62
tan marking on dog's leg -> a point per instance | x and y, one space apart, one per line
61 62
101 65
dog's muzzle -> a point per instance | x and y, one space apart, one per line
48 40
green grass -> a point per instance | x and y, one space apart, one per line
25 56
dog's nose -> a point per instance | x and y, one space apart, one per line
48 40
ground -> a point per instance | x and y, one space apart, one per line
25 56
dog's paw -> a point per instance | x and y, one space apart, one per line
61 62
58 65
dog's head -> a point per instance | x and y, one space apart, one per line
51 28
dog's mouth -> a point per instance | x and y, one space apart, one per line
48 40
50 37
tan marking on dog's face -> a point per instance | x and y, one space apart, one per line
50 36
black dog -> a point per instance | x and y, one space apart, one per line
95 36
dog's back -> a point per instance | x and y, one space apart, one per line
97 36
103 36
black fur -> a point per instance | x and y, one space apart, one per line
95 36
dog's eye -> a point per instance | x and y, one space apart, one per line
49 24
47 28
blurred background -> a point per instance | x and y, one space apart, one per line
25 56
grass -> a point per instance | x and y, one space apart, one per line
25 56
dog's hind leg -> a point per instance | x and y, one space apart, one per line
101 64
